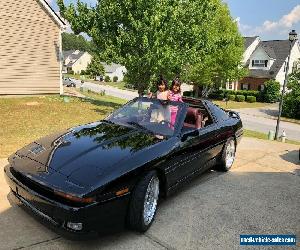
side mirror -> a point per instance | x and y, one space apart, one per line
234 114
190 134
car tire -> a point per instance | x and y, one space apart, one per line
227 156
141 213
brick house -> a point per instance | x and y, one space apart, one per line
265 60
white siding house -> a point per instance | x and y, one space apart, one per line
114 69
266 60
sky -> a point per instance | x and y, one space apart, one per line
269 19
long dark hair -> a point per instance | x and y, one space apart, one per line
176 82
162 81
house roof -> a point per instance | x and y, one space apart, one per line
74 56
249 40
275 49
52 13
110 68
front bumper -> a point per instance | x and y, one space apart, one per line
97 217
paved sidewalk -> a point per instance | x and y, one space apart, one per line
260 195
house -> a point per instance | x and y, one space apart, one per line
266 60
114 69
76 61
30 48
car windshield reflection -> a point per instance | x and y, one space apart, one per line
156 116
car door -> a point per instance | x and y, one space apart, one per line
192 154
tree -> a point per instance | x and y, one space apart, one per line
95 68
76 42
291 102
195 39
271 91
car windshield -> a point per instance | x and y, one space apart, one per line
154 115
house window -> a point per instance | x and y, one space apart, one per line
230 85
260 63
245 86
261 87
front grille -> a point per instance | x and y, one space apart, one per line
47 192
42 190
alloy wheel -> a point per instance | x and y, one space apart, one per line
151 199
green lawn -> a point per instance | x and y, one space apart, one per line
259 135
239 105
28 118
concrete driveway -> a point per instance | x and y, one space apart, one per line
260 195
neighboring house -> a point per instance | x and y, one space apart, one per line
76 61
266 60
30 48
114 69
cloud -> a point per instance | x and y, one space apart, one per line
286 22
280 27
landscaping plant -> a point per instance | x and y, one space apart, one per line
240 98
271 92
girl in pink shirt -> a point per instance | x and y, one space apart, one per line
175 95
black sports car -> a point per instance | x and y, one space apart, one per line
112 172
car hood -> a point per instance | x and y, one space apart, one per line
86 154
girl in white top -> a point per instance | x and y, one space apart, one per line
162 90
162 93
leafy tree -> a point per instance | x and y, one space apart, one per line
95 68
291 102
71 41
195 39
271 91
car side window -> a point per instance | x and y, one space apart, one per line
196 118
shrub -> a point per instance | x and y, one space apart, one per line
291 101
251 99
271 92
107 79
240 98
228 92
231 97
82 72
71 72
115 79
223 93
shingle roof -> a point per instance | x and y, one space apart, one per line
73 56
276 49
249 40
